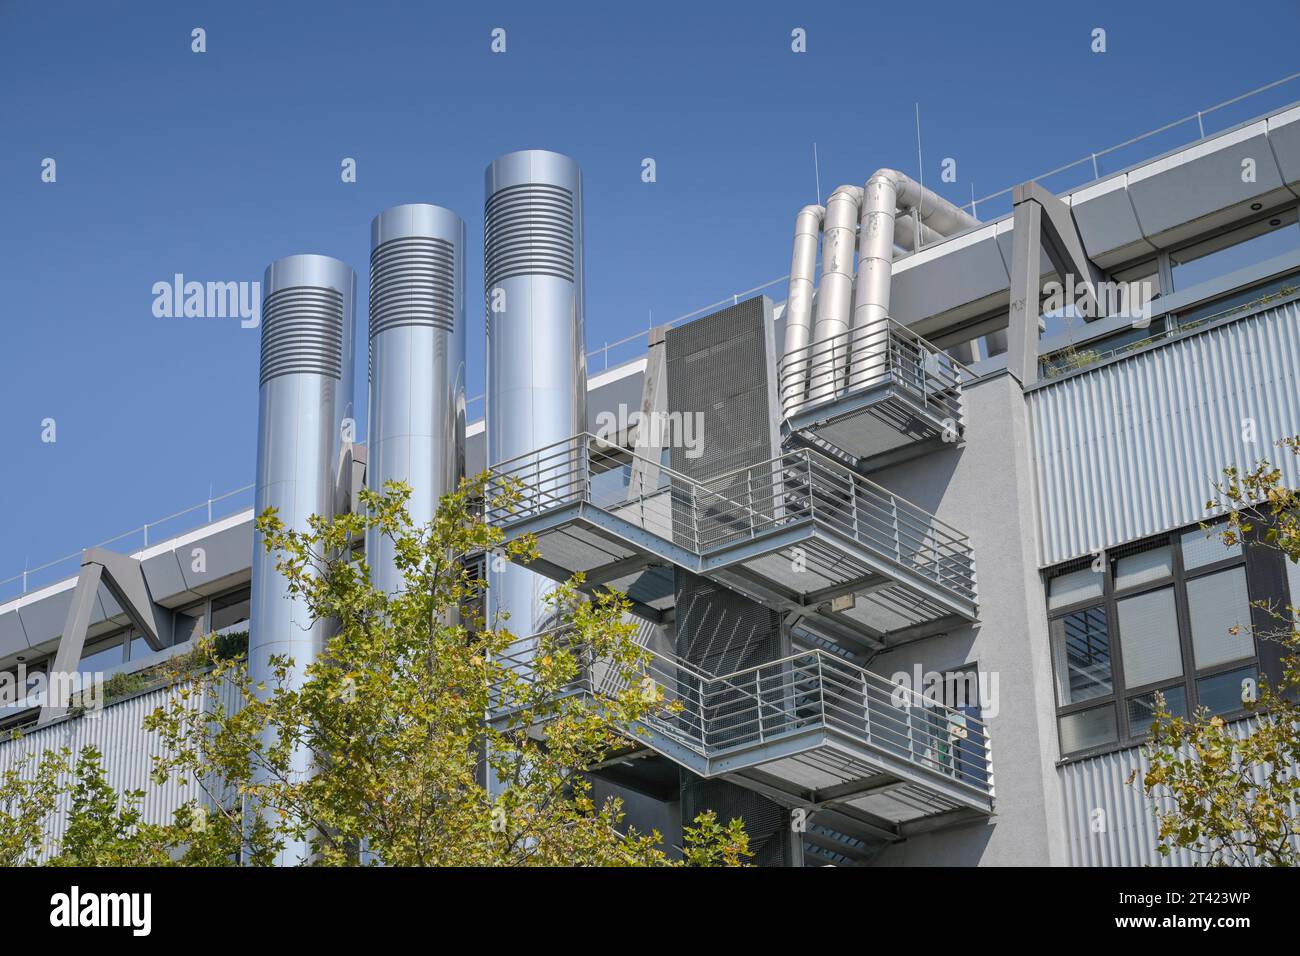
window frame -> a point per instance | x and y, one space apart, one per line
1121 693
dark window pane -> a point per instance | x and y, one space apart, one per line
102 655
230 610
1142 709
1081 652
1088 729
1223 693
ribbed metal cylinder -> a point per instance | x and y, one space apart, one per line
537 383
416 432
308 328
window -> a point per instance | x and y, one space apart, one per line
1219 609
1249 244
1088 729
1201 547
1075 586
139 647
1168 616
230 611
1142 708
1224 693
102 655
188 624
1081 653
1148 634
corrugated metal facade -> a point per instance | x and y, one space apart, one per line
127 749
1112 823
1132 448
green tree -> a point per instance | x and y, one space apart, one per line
392 715
1232 798
28 795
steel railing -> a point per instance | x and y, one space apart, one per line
755 501
805 484
715 716
188 519
880 353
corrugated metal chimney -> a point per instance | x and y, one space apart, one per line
308 329
416 431
537 382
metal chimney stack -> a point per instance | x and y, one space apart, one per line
537 380
308 329
416 432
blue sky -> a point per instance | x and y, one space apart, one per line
213 165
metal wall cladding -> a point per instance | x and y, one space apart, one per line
127 750
1133 448
1110 822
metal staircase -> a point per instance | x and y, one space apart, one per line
801 532
810 730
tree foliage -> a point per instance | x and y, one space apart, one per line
1227 792
434 737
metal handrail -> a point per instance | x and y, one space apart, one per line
882 352
141 530
805 691
715 513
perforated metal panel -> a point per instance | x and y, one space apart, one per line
720 368
765 821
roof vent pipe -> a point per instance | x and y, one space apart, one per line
304 400
417 360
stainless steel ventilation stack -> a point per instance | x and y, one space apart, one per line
416 432
537 383
308 328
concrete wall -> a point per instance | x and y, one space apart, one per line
985 489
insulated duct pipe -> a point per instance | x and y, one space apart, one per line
834 295
799 301
885 193
537 381
878 204
305 399
417 366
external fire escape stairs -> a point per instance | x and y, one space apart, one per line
850 567
858 757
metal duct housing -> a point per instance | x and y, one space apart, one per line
416 431
537 382
308 328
